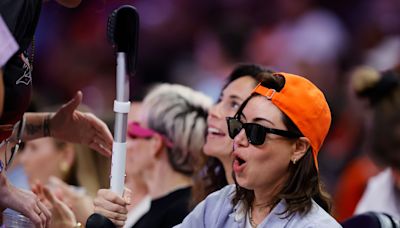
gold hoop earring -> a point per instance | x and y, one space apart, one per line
64 168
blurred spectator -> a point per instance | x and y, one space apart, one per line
217 49
65 162
168 145
383 93
71 172
140 202
306 40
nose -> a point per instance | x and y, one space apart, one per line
23 157
240 140
214 111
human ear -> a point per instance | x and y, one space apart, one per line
157 145
67 158
300 148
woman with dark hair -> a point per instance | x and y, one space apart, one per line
217 171
277 134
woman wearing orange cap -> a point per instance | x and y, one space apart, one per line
277 133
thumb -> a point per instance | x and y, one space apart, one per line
127 195
73 103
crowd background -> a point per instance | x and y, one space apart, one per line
197 43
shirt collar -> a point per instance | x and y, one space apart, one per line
276 216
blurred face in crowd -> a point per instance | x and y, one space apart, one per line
41 159
218 144
265 165
138 156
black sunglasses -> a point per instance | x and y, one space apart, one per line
255 132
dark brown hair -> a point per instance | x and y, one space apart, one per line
303 183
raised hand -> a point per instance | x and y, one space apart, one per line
63 217
79 202
72 125
24 202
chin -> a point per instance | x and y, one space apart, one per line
242 182
218 150
245 183
209 149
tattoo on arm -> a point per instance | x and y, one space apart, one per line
33 129
46 125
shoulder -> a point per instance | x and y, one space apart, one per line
215 209
175 203
317 217
379 185
219 199
382 178
226 191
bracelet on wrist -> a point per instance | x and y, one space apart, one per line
46 125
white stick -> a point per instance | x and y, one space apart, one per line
121 109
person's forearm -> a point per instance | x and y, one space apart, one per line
37 125
3 186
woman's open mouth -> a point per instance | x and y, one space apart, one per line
238 164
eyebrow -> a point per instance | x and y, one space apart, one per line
263 119
235 97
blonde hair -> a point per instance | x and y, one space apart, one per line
89 169
179 113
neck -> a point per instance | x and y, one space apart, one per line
138 188
263 199
163 180
227 163
259 211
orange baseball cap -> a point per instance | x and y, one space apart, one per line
305 105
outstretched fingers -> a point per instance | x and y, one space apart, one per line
102 139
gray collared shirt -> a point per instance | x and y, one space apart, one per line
218 211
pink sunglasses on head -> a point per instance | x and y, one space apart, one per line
137 131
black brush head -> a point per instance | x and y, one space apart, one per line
123 33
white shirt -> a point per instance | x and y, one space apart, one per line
380 195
